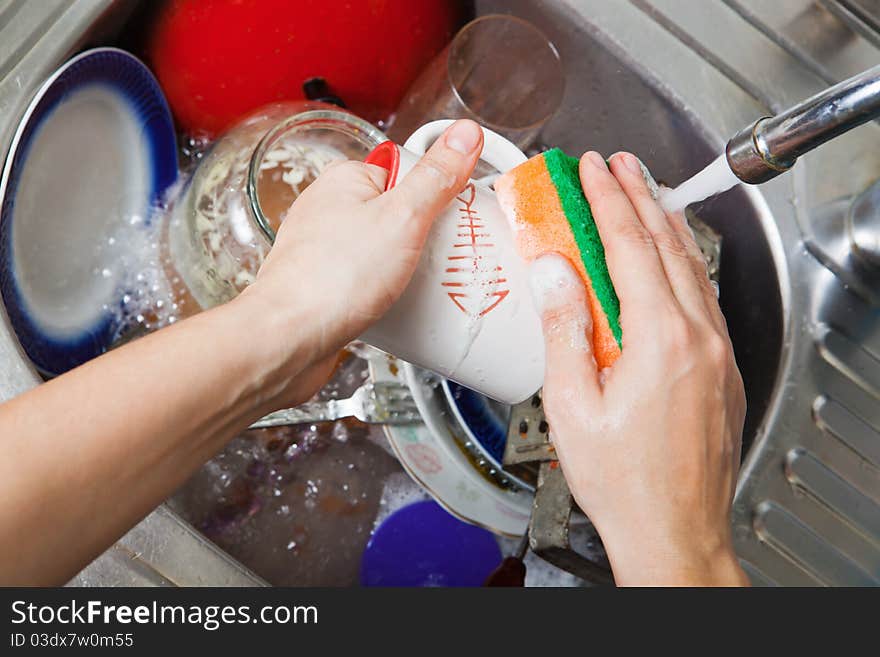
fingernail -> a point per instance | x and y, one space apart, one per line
463 137
635 165
596 160
553 282
631 162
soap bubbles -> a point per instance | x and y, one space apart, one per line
132 255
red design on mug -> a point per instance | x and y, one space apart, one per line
466 262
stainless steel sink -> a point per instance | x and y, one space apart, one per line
670 81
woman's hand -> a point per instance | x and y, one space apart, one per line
346 250
650 447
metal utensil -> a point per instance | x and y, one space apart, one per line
373 403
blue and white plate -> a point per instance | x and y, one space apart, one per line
96 147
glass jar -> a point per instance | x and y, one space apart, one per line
224 221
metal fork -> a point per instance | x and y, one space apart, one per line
383 402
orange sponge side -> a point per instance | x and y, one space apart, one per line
531 201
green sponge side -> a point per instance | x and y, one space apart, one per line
564 174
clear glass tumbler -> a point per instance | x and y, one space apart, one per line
499 70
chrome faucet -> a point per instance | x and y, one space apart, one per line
772 144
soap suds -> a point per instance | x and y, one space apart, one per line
653 187
555 284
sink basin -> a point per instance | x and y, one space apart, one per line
613 109
644 77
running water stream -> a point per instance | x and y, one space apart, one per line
714 179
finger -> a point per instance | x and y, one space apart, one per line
632 258
681 269
438 176
708 287
568 328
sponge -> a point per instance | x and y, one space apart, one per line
545 203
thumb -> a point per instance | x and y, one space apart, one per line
560 298
438 176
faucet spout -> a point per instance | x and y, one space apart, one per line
772 144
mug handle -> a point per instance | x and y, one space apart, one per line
497 151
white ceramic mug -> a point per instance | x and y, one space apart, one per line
467 313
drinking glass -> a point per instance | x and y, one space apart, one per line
499 70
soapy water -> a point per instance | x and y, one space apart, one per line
714 179
132 255
297 505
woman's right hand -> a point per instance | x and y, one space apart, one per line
651 447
